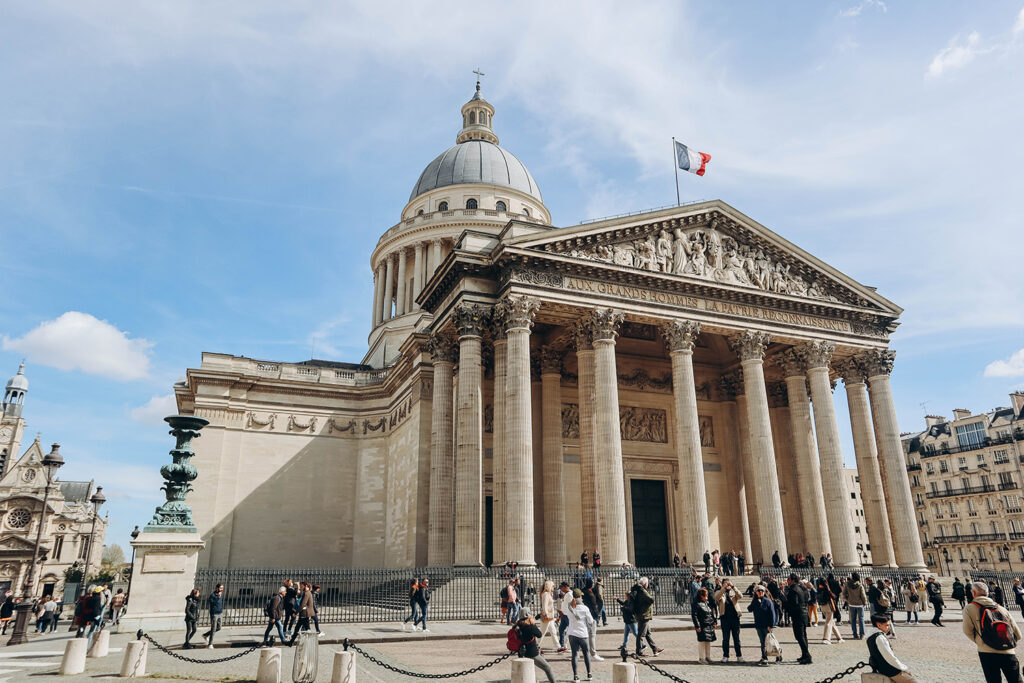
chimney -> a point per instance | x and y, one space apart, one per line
961 413
932 420
1017 401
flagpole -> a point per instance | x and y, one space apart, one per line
675 165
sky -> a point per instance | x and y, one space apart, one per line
182 176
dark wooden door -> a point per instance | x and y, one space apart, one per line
650 523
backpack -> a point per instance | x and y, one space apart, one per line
514 642
268 609
996 629
912 597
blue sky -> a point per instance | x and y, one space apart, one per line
179 177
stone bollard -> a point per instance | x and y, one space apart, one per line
73 661
624 672
134 664
870 677
100 644
523 671
344 667
269 669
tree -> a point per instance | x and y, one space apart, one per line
113 555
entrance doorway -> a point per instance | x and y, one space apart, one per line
489 532
650 523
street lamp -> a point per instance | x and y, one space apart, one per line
97 500
1006 554
945 554
131 572
52 461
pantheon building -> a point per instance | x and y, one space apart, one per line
645 384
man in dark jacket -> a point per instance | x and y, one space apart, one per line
290 594
274 612
763 609
422 598
935 597
305 612
643 610
216 605
796 606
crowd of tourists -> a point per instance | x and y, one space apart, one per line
96 608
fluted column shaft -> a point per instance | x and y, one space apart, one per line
417 276
437 256
498 463
900 504
805 449
749 469
389 283
612 502
876 516
468 439
555 552
771 526
440 540
403 287
694 536
377 277
588 439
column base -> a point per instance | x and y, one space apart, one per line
165 564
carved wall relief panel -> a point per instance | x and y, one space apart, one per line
570 421
489 419
635 424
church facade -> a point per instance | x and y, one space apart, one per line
656 383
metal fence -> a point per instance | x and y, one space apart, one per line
462 594
1002 579
899 578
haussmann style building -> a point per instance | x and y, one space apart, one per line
640 385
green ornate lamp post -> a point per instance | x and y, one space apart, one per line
175 515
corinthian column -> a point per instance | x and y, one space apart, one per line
680 336
750 347
389 283
876 517
442 462
401 307
816 355
808 473
555 551
417 276
518 313
900 504
436 244
498 440
583 335
611 505
469 322
729 387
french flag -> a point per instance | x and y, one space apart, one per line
689 160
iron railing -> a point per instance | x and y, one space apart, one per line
1002 579
463 594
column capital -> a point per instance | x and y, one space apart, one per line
730 385
877 361
605 323
470 319
816 354
419 247
517 312
750 345
443 347
498 323
551 360
583 334
851 370
680 335
791 363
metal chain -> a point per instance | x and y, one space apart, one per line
843 674
657 670
191 660
349 644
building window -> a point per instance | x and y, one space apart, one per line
83 548
419 212
981 459
472 117
960 552
853 495
471 204
961 462
930 468
19 518
943 466
500 206
443 206
970 435
58 547
526 212
1001 456
995 527
920 499
917 482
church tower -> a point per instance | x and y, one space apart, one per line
12 424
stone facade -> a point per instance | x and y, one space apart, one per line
966 476
640 385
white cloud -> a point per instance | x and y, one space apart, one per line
1011 367
955 55
79 341
857 9
1019 26
155 410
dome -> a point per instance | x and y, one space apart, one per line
476 161
19 382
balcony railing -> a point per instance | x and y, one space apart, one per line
949 450
962 491
1007 485
1016 535
916 466
966 538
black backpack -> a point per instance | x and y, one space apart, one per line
996 629
268 609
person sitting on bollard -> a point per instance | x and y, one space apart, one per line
880 655
529 636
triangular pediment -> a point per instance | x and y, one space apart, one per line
27 471
710 243
14 543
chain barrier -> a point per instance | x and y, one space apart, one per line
349 644
141 634
843 674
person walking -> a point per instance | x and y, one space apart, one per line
995 591
215 603
316 611
602 614
959 592
796 598
590 602
6 611
116 606
763 609
704 623
56 615
922 594
1018 594
629 622
305 612
827 602
548 614
727 599
413 587
274 611
565 599
934 589
812 605
996 654
422 603
881 658
643 610
707 562
910 599
290 596
580 619
529 635
49 614
191 617
716 562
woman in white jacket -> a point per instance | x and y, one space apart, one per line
548 615
580 623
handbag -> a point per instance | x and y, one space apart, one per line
771 645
